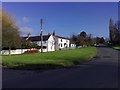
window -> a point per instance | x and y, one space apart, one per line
61 45
61 40
65 44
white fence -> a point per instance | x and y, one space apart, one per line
21 51
18 51
44 50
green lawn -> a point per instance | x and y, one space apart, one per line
56 59
116 47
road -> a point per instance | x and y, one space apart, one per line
100 72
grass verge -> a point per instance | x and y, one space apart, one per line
116 47
56 59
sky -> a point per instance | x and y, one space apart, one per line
64 18
60 0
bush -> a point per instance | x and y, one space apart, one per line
31 51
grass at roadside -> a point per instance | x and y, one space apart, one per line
56 59
116 47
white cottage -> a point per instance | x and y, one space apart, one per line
48 42
51 42
61 42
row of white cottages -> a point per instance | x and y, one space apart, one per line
50 42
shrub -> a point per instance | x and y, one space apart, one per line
31 51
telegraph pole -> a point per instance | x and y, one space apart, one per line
41 36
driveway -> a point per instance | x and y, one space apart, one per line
100 72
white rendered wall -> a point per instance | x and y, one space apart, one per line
63 41
51 44
72 45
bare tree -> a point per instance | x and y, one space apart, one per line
0 29
82 39
114 32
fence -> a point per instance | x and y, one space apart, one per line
17 51
21 51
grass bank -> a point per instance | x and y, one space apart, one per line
56 59
116 47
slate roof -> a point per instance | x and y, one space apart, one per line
37 38
45 38
62 37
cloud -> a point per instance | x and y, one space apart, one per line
25 30
25 19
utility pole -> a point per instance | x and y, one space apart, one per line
41 36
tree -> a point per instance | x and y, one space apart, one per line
83 38
0 29
10 34
90 39
83 34
102 40
114 32
119 30
111 29
74 38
